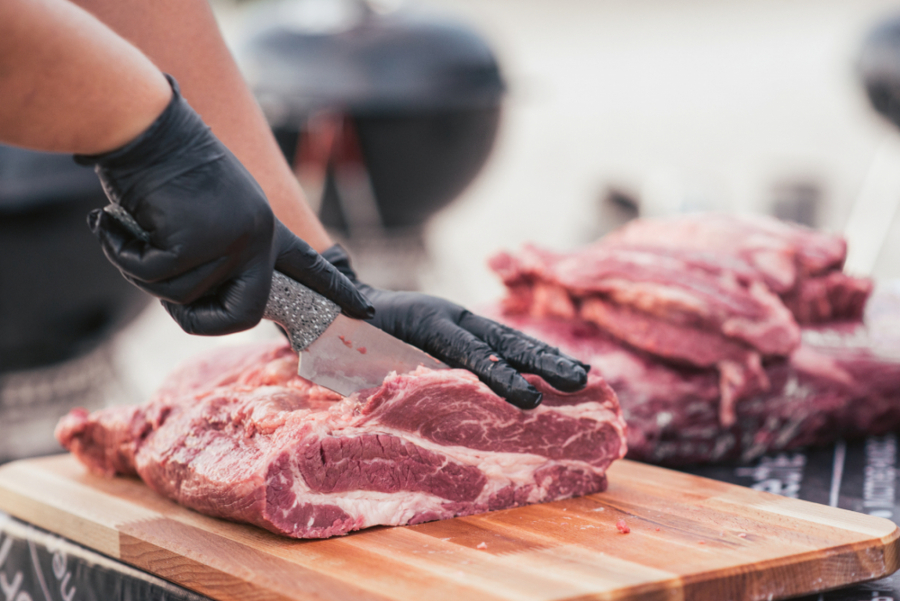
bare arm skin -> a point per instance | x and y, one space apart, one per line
182 38
69 84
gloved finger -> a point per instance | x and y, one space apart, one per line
529 354
297 259
130 254
237 305
463 349
501 335
187 287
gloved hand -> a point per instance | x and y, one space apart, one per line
494 352
213 240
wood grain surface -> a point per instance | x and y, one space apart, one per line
691 538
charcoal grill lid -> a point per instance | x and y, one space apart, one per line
405 60
879 66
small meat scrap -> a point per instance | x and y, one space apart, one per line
622 527
494 358
347 343
362 350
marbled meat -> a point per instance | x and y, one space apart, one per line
237 434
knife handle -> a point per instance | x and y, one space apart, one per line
303 314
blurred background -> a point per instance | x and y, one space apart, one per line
430 134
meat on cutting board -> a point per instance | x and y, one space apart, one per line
237 434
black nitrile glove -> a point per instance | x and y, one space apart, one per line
213 240
492 351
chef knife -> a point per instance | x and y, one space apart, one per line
340 353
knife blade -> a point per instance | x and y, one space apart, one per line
340 353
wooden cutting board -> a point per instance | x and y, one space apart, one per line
691 538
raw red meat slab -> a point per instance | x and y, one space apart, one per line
237 434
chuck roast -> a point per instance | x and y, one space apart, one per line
238 434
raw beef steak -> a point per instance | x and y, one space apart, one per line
843 381
237 434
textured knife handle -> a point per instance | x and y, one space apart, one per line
125 218
303 314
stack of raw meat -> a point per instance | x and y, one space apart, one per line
696 323
238 434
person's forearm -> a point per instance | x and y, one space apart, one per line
69 84
182 38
